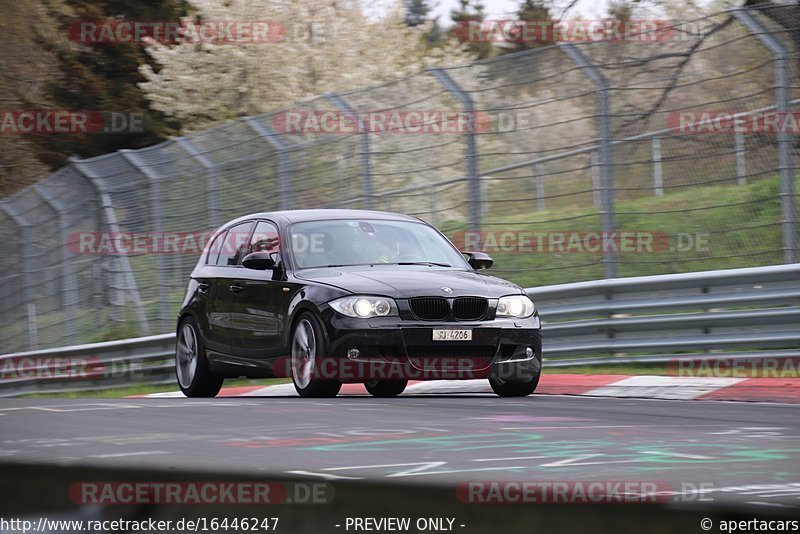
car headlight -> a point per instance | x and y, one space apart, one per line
519 306
364 307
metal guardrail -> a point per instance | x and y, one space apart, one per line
93 366
666 317
736 313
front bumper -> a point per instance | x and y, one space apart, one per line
393 348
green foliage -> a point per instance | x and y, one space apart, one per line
102 77
533 11
470 10
739 224
416 12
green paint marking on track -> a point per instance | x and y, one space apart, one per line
463 441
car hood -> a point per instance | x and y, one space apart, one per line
410 281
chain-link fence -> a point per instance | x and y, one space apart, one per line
578 161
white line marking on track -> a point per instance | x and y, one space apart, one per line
574 427
82 407
679 455
124 454
450 471
378 466
508 459
574 460
326 476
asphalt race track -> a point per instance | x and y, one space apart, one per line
725 452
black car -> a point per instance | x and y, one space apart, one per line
333 296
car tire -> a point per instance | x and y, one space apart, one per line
308 343
505 388
386 388
191 365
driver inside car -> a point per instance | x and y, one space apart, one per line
378 247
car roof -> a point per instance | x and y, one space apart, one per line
293 216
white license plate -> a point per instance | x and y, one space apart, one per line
452 335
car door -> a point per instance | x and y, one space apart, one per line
224 260
208 300
259 310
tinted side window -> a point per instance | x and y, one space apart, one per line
235 245
265 238
213 249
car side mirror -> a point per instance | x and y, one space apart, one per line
261 260
479 260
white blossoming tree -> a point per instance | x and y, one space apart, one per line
327 45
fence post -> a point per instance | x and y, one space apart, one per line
25 238
433 197
658 179
605 143
595 163
69 292
274 140
110 216
538 180
213 179
781 58
154 184
366 161
741 159
471 154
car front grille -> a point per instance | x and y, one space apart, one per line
430 308
438 308
470 308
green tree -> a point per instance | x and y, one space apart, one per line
25 69
101 77
531 11
471 12
343 49
416 12
621 10
436 36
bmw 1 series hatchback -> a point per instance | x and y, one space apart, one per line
327 297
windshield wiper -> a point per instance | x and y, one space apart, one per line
343 265
429 263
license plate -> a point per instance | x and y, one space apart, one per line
452 335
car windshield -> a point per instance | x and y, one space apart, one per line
370 242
